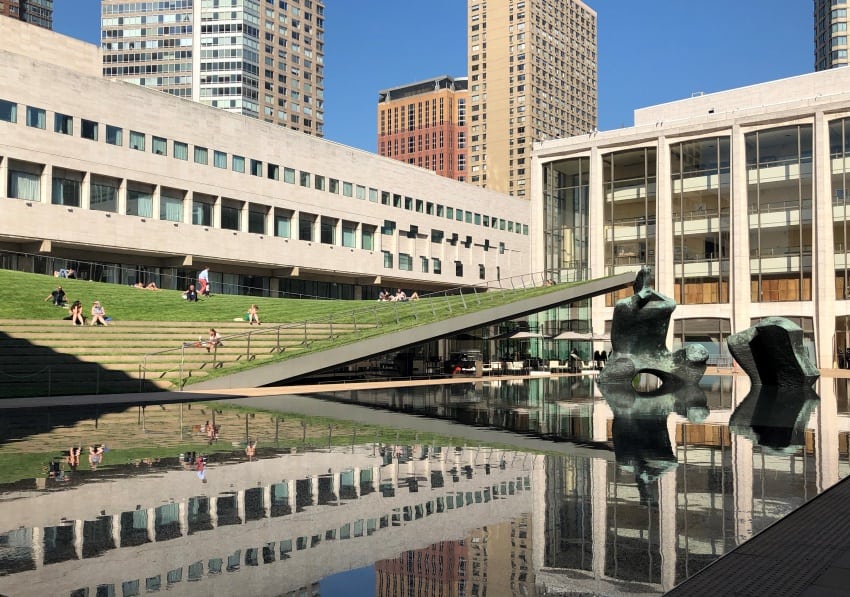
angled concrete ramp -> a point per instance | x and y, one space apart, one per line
315 362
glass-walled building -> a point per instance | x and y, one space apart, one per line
737 201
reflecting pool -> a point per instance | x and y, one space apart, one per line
635 494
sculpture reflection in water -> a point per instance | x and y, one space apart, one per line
638 337
774 414
781 400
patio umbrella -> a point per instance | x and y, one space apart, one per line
574 336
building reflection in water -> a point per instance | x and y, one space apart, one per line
671 484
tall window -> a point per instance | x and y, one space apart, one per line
103 196
367 237
63 124
779 198
566 187
36 117
305 226
137 141
139 203
328 231
171 206
24 185
181 150
201 155
202 213
66 191
230 217
630 203
219 159
257 219
701 197
115 135
88 129
349 234
159 145
8 111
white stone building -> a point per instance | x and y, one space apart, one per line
154 187
737 199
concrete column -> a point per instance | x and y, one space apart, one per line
742 470
38 547
539 512
596 236
214 512
599 420
116 530
156 202
599 514
78 538
664 274
337 485
151 524
243 216
121 207
291 495
376 478
739 235
314 489
667 529
267 500
823 249
183 518
4 177
85 191
826 452
240 505
357 481
188 200
46 190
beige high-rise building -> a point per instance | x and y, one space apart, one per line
532 77
830 34
260 59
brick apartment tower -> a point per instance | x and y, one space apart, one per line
532 76
831 34
210 55
37 12
424 124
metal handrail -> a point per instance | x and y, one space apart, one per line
497 292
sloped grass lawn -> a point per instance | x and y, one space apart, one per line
22 297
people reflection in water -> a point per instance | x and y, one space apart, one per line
95 455
74 457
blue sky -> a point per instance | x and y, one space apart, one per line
650 51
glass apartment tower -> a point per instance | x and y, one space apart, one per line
830 30
532 77
264 60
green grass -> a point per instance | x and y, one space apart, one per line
22 297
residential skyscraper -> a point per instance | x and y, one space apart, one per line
830 34
424 124
264 60
37 12
532 77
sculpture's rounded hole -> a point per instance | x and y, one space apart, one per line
645 382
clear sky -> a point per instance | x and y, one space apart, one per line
650 51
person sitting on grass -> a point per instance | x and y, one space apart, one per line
214 340
253 316
98 314
191 294
77 317
57 296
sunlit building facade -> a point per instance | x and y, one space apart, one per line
532 76
264 60
830 18
35 12
737 200
424 124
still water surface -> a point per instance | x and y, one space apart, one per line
635 495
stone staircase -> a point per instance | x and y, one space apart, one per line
44 358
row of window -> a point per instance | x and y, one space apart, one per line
24 182
139 141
